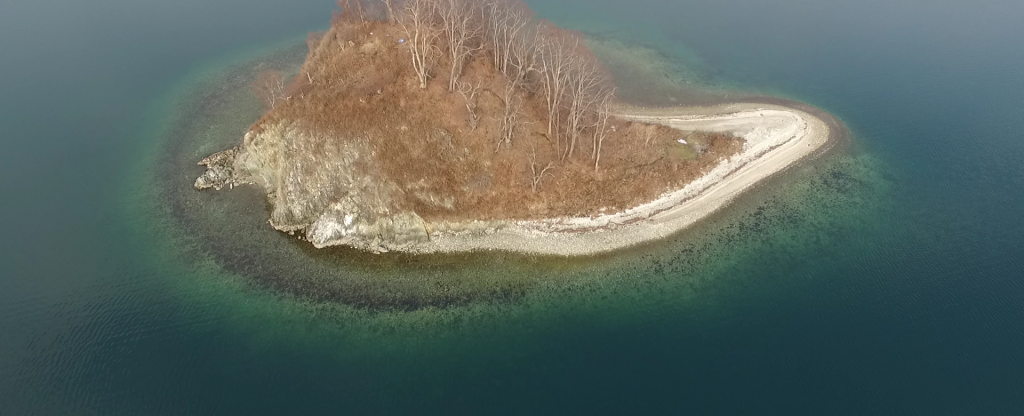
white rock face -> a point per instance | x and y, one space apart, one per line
328 188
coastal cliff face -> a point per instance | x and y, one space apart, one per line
330 191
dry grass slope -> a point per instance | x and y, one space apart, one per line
358 84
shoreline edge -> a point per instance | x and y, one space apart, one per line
779 136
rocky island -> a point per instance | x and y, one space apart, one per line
462 125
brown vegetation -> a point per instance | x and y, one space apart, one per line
478 102
269 87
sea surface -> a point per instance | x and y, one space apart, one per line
883 278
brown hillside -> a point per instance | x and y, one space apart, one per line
358 82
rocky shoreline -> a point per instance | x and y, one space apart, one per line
348 203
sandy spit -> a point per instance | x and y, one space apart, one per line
776 137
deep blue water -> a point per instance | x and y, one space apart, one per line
885 280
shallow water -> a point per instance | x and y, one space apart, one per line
883 278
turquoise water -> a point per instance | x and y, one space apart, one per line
883 278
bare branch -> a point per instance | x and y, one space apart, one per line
390 10
470 94
352 10
601 124
507 22
269 87
555 52
510 119
524 54
584 85
461 29
417 20
536 173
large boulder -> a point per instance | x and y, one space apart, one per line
220 171
347 223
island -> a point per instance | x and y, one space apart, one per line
445 126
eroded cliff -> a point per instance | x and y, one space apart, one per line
329 191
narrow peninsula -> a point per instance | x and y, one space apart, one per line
430 126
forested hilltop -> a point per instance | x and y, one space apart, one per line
453 110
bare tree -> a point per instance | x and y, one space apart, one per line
510 118
390 10
524 55
417 21
604 104
556 58
460 28
493 12
514 37
470 93
507 22
584 85
536 172
269 87
352 9
313 41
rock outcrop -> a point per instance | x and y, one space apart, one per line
327 189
